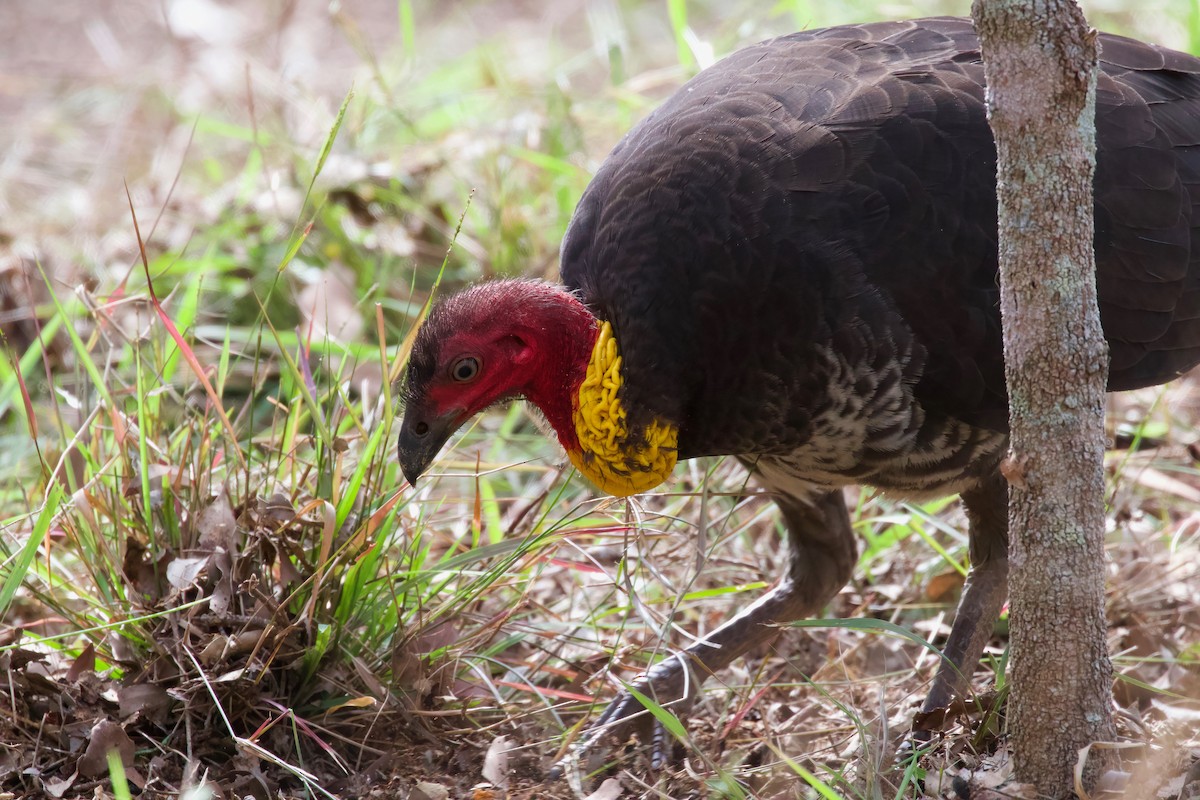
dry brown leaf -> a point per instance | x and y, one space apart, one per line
154 477
440 635
146 570
940 719
105 736
182 573
407 668
245 641
495 763
609 790
84 662
212 651
354 702
216 526
277 509
430 791
58 787
368 677
943 586
149 700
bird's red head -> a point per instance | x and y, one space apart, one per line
493 342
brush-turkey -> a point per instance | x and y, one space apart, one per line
793 261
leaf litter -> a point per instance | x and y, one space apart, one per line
216 683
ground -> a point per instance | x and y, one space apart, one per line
272 612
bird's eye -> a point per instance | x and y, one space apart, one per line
465 369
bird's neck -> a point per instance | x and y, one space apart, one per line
566 332
581 399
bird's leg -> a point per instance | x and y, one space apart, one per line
821 554
983 594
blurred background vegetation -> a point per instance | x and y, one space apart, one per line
303 174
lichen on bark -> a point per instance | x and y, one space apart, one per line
1040 61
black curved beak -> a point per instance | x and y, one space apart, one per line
421 438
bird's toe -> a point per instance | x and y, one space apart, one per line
668 686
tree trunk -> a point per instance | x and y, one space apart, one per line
1039 60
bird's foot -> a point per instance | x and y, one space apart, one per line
669 684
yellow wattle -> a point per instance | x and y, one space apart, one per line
617 462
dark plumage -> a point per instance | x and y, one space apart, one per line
797 256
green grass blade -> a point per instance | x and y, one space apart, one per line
143 435
116 772
185 317
326 149
819 786
81 350
408 26
665 718
20 565
366 459
924 515
11 387
298 378
677 11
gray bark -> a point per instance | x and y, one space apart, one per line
1039 59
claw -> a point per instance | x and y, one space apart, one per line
658 751
616 721
670 680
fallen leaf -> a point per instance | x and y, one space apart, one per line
443 634
940 719
1172 788
430 791
148 700
354 702
212 652
105 736
145 569
277 510
183 572
495 763
943 586
84 662
368 677
245 641
216 525
56 787
609 790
